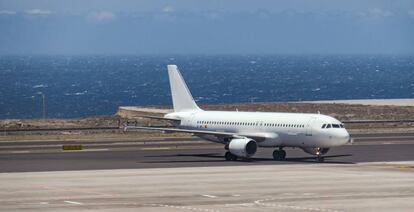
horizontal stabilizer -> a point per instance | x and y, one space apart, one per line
158 117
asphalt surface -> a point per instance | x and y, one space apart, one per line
187 174
185 152
299 187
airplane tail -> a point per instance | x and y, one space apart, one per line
181 96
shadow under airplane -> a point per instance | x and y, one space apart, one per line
249 160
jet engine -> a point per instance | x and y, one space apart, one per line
316 151
243 147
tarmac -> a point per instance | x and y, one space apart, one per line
376 173
281 187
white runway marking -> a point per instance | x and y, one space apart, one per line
276 205
209 196
240 204
184 207
23 151
74 203
83 150
93 150
155 148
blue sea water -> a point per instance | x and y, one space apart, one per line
77 86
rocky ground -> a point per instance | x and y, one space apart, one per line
341 111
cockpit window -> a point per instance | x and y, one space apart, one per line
335 125
342 126
323 126
328 126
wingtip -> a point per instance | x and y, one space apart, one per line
172 67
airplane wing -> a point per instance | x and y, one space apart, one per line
256 137
167 129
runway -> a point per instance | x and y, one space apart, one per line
186 174
185 152
281 187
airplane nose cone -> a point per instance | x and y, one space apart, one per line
343 137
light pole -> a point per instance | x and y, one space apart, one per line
43 106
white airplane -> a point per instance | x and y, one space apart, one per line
243 132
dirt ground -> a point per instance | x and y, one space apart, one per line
341 111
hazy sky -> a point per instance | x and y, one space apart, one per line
206 27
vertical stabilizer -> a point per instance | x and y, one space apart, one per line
181 96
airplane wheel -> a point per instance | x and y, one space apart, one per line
320 159
282 154
230 156
279 154
276 155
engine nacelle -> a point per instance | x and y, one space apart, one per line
243 147
316 151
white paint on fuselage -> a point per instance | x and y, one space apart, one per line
280 129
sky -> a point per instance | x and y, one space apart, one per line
31 27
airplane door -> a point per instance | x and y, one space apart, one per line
309 126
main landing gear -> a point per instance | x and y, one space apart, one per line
279 154
229 156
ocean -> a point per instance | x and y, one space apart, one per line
79 86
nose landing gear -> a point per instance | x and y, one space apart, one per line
319 157
279 154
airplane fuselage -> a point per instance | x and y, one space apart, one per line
278 129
